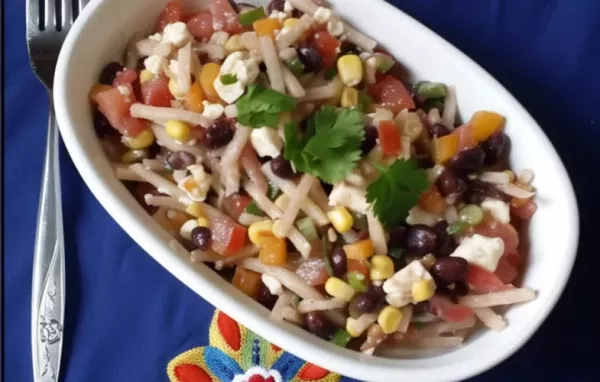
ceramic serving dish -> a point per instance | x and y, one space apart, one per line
101 34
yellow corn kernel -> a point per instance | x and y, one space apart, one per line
350 68
142 141
291 22
423 290
178 130
352 328
203 222
339 289
234 44
195 209
341 219
349 97
133 156
389 319
283 201
174 89
260 229
145 76
382 267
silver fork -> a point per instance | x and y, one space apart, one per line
48 22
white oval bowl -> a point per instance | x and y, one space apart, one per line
100 35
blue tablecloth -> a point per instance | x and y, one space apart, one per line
127 317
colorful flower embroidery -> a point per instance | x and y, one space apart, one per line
235 354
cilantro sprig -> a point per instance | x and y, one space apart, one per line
261 107
397 190
330 146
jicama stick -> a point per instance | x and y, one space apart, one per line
213 257
294 283
164 114
450 105
290 189
131 53
164 140
514 190
184 73
297 199
250 41
153 164
267 48
265 204
230 169
495 177
290 314
327 91
252 166
284 40
431 342
161 184
376 233
359 39
284 300
407 313
292 84
122 172
442 327
507 297
311 305
164 201
318 195
490 319
305 6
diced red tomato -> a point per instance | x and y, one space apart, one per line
156 92
171 13
327 46
389 138
224 17
235 204
125 77
252 167
506 232
228 236
484 281
115 107
506 271
448 311
392 94
526 210
313 271
201 25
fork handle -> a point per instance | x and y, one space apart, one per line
48 294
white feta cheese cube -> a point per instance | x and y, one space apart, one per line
399 287
196 186
155 64
350 197
481 251
176 34
498 209
266 142
212 110
288 7
322 15
335 27
417 215
219 38
229 93
288 54
156 37
281 16
231 111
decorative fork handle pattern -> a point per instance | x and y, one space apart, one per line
48 293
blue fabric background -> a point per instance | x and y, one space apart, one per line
127 317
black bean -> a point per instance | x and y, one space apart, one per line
370 140
439 130
449 270
339 262
461 288
276 5
180 160
397 237
234 5
311 58
109 73
448 183
496 148
201 236
446 292
349 48
445 242
282 167
219 134
101 125
421 240
371 300
478 191
466 161
318 325
266 298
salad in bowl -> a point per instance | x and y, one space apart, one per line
291 153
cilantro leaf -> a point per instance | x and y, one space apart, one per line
330 146
397 190
261 107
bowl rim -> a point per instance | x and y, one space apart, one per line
288 336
